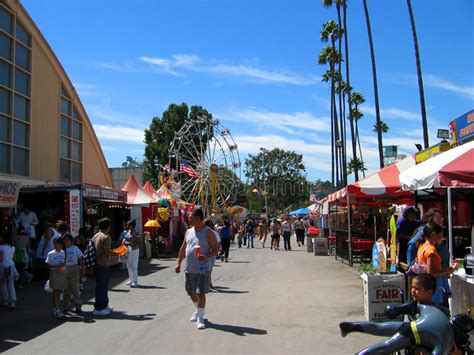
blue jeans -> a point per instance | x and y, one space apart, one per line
102 275
249 240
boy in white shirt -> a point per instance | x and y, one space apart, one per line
74 272
56 261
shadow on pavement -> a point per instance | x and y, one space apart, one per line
34 315
240 331
230 291
123 315
145 287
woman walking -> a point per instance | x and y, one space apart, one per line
132 241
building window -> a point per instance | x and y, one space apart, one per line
5 74
4 158
15 81
70 164
5 20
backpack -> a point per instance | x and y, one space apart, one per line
90 259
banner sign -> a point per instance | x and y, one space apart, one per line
9 191
98 193
74 212
462 127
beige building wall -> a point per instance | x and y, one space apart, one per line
47 77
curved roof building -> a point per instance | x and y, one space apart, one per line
45 133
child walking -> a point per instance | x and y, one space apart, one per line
56 261
9 269
73 273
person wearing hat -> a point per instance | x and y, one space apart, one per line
406 225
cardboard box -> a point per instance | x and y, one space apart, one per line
381 291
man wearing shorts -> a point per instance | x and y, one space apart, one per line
198 267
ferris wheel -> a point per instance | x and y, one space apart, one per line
207 164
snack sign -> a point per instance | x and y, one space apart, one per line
9 191
462 127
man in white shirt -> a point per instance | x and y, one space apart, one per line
28 220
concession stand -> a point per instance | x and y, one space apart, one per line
363 208
449 178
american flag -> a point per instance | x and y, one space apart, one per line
185 167
313 198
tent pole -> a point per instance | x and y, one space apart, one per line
450 225
349 229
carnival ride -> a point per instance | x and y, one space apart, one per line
207 164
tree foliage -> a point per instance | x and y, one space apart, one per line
131 162
161 132
281 175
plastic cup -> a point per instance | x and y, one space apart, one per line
197 250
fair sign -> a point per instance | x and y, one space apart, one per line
9 191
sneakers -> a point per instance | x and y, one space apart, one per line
194 317
58 314
110 309
104 312
12 305
133 285
129 282
200 323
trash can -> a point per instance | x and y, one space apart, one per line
309 243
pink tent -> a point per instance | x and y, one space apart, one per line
148 188
136 195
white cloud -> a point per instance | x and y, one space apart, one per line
290 122
247 70
439 83
392 112
119 133
124 67
161 65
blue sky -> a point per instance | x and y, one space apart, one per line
252 64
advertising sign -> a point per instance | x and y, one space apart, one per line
74 212
462 127
381 291
9 191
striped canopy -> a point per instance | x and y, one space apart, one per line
383 184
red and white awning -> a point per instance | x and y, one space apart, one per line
136 195
454 167
382 184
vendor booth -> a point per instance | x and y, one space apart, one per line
449 178
139 200
363 208
9 191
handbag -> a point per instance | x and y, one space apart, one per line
416 267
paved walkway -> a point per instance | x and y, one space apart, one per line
269 303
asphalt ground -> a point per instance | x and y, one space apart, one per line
268 302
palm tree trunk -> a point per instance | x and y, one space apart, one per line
332 143
360 147
420 78
341 117
348 81
376 90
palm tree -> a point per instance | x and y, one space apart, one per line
354 165
420 77
343 3
383 127
330 55
357 99
376 91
